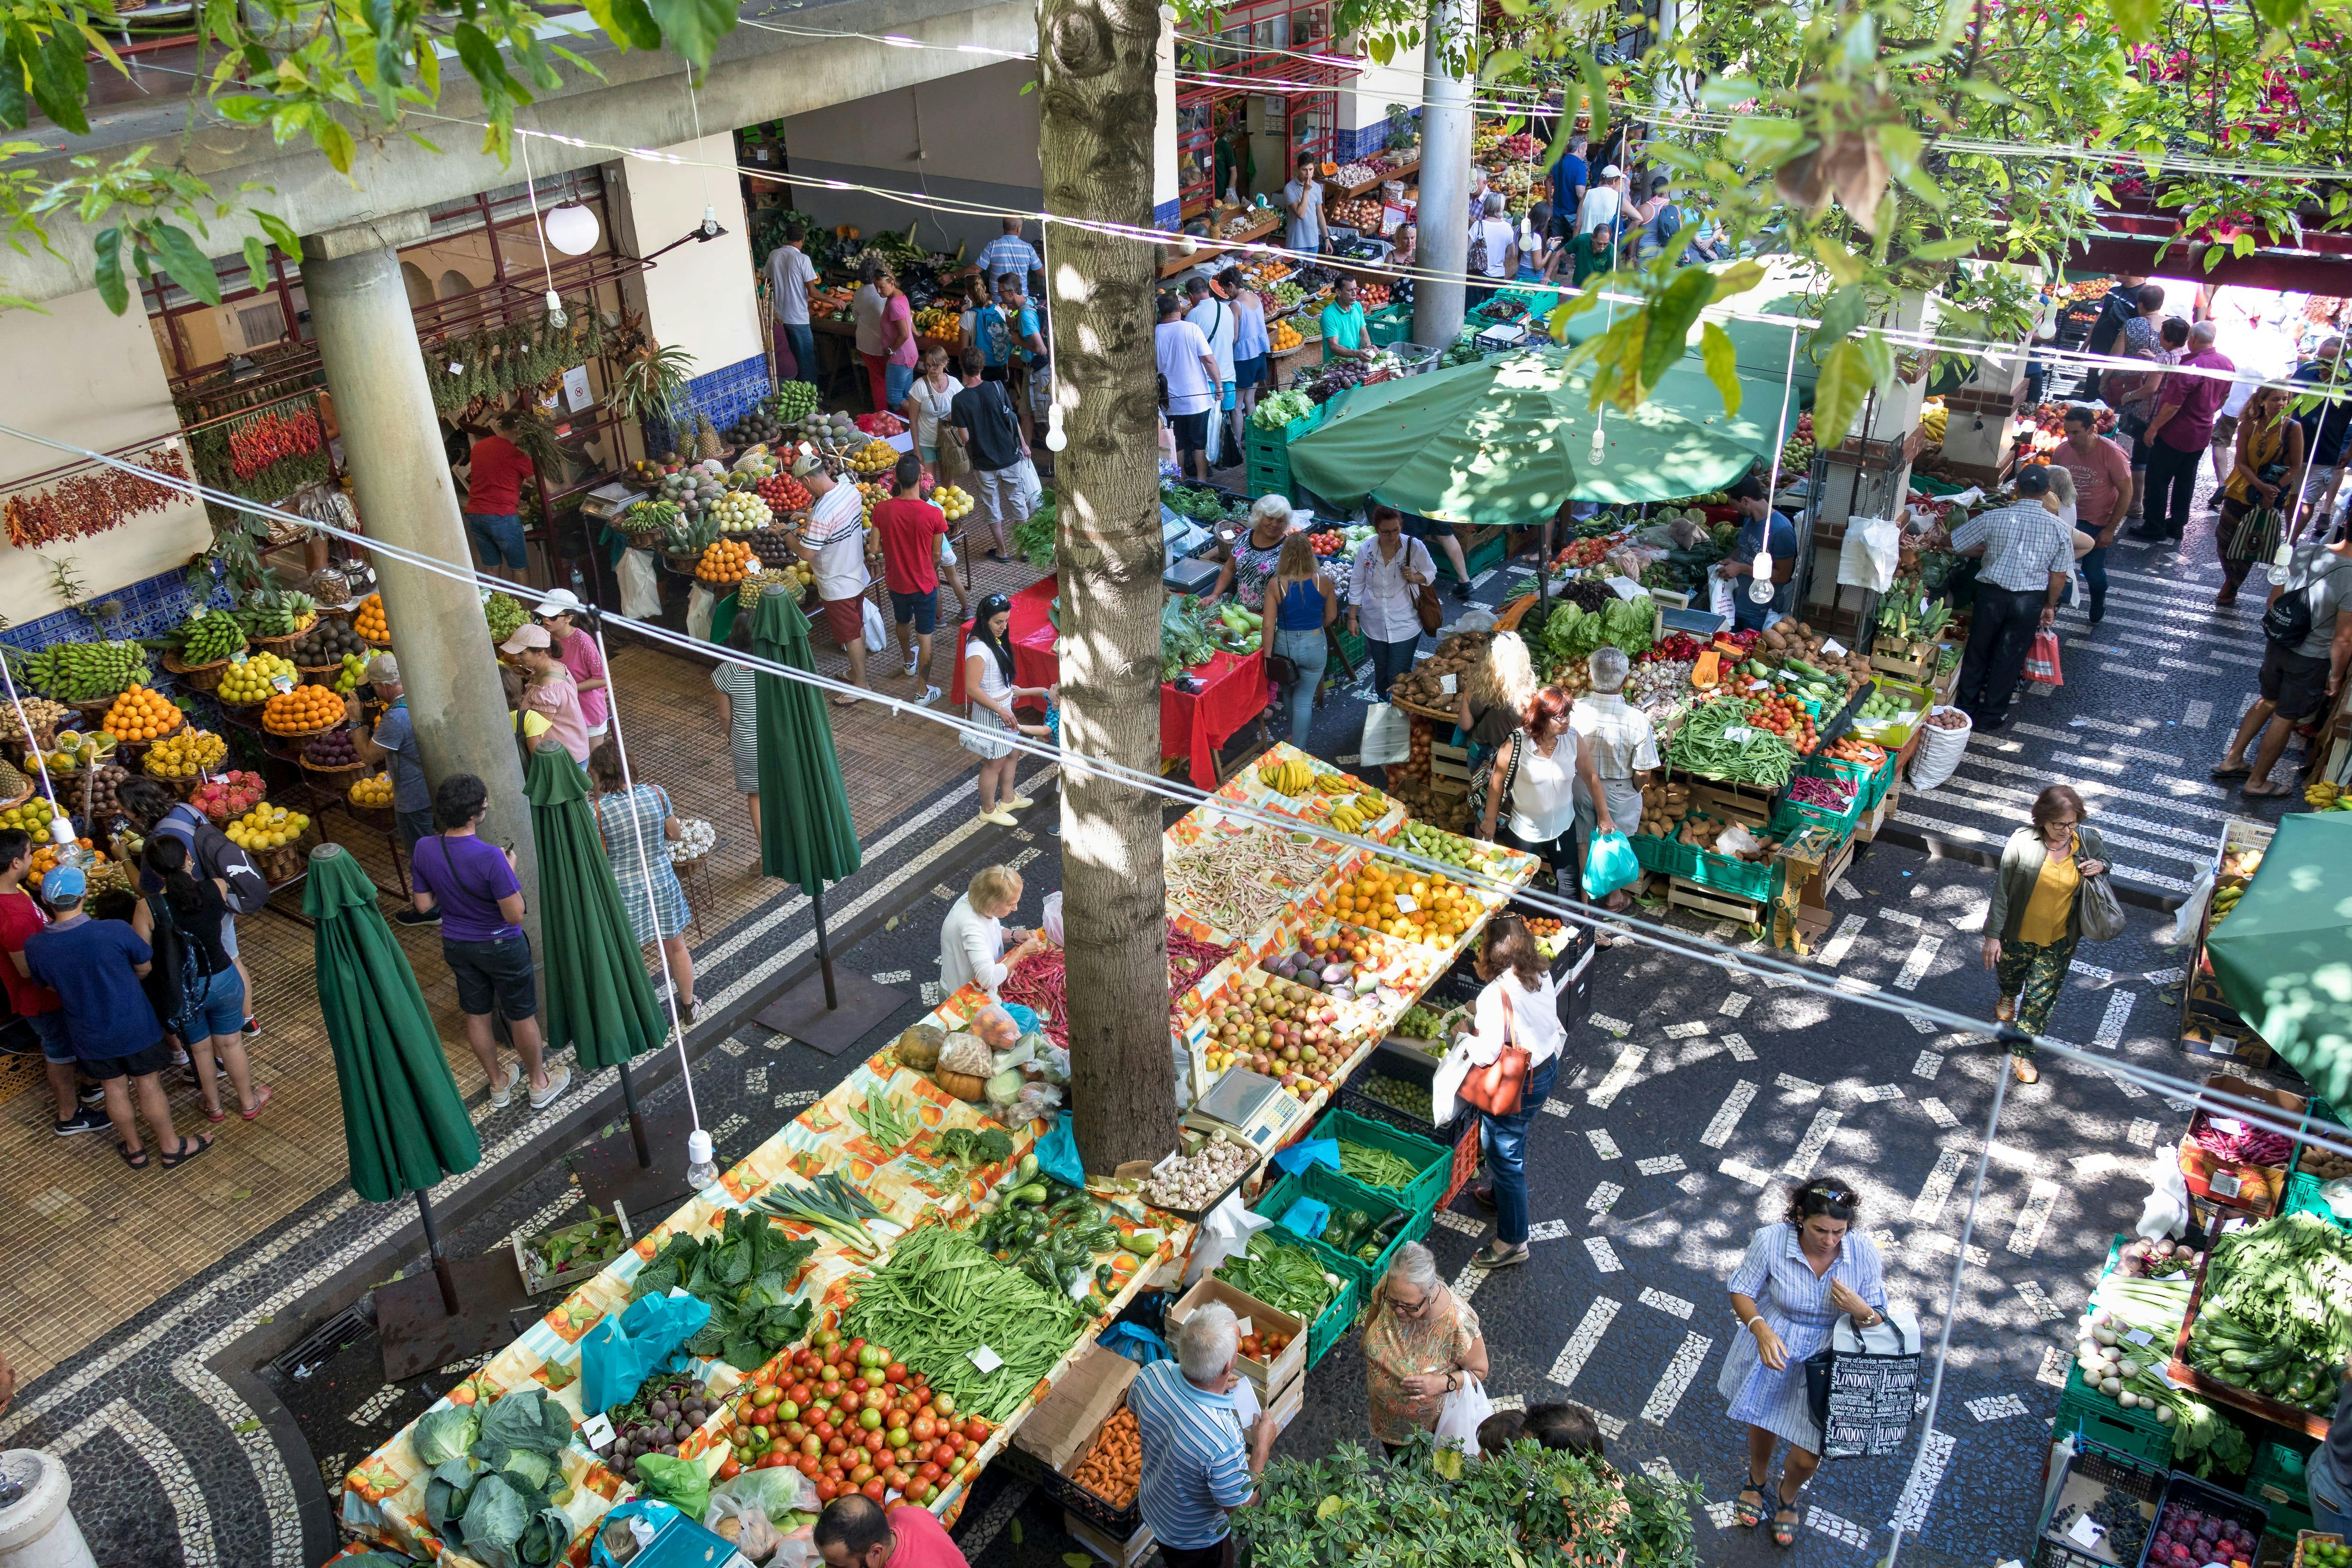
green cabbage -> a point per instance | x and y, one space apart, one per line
496 1515
547 1538
447 1491
440 1435
525 1419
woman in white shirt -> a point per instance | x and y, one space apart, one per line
1621 744
971 938
1520 1006
1534 778
1381 584
1500 238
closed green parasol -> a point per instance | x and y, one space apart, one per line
2283 956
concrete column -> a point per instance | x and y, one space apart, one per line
1442 229
367 346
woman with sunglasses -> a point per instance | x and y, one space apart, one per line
1422 1342
2036 915
1799 1278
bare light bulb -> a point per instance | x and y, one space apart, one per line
1055 440
701 1170
556 315
1600 442
1759 587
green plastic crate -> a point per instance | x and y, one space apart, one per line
1434 1161
2303 1198
2083 1409
2277 1479
1737 878
1475 558
1790 817
1870 782
1338 1314
1388 324
1266 454
1331 1187
1659 853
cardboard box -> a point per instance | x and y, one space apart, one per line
1118 1554
2254 1188
1271 1377
1063 1426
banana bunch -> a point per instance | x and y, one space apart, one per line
1346 818
210 638
1371 805
85 672
1292 777
2225 901
2323 796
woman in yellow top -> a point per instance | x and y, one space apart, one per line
2270 450
2036 915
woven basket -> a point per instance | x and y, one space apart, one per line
284 864
95 712
197 677
278 645
286 735
320 674
338 779
139 747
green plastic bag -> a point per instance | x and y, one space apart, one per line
683 1484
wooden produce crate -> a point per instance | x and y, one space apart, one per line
2255 1189
1683 893
2259 1406
535 1283
1270 1376
1732 802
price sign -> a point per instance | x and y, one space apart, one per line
1445 684
986 1359
1739 732
281 682
1241 1330
2086 1531
598 1430
2139 1336
1405 905
1832 649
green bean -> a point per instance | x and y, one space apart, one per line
938 1298
1281 1273
1701 747
1376 1167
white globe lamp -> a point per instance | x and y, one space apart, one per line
571 228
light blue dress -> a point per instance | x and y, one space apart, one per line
650 890
1796 1306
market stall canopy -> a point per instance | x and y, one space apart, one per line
598 998
1507 440
2284 956
1760 348
405 1124
806 835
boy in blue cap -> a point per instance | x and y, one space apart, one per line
95 967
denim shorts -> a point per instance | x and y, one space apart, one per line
493 975
922 609
220 1010
49 1029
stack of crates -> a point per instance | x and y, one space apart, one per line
1266 455
2277 1482
1359 1275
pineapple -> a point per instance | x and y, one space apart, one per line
706 439
12 783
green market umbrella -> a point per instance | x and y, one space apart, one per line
1507 440
806 835
597 998
2284 956
405 1124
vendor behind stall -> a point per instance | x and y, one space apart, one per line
971 938
1760 528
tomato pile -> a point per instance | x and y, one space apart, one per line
1585 552
1330 542
1786 717
852 1420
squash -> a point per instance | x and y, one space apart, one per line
967 1086
1707 669
918 1048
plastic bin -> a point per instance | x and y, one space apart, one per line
1661 853
2303 1198
1266 454
1329 1187
1791 817
1894 734
1870 782
2083 1410
1738 878
2277 1479
1388 325
1434 1160
2205 1498
2093 1469
1068 1494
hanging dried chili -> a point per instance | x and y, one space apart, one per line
91 503
271 438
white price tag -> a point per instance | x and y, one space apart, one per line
281 682
1739 732
598 1431
986 1359
236 658
2139 1336
2225 1184
1832 649
2217 1048
2086 1530
1241 1329
1406 904
1445 684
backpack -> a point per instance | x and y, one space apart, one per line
248 890
2288 620
175 974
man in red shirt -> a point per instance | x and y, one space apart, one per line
910 529
496 468
854 1533
37 1005
2103 492
2178 434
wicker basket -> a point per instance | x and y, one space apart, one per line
286 861
320 674
278 645
197 677
94 712
337 779
139 747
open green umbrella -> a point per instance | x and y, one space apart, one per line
598 999
1507 440
2284 956
405 1124
806 835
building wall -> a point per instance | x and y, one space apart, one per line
100 386
700 296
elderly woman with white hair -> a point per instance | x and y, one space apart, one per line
972 937
1196 1467
1422 1342
1622 743
1254 556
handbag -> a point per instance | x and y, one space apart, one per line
2041 665
1425 606
1497 1088
2102 912
1482 782
1862 1386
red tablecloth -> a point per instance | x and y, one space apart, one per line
1192 726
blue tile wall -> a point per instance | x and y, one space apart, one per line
1168 216
1365 140
726 394
149 610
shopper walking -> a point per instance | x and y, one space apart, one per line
180 922
1517 1010
929 402
1620 743
1800 1276
790 272
982 423
44 1014
2028 558
2325 429
474 885
2036 914
1494 256
572 636
638 825
2268 463
1188 380
835 544
548 689
495 471
2120 306
1302 602
739 713
95 967
1197 1465
1382 584
972 937
912 532
1604 202
391 741
2188 407
1498 696
1252 349
2101 473
2140 399
1256 556
866 309
990 694
1534 785
1421 1342
1569 178
1025 357
2307 642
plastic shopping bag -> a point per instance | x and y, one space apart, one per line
1224 1230
1609 865
1445 1087
2188 919
2041 660
1464 1409
1388 736
1873 549
877 631
640 590
1718 594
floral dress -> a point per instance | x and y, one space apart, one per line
1397 1347
661 912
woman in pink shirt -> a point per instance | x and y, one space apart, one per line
551 692
562 614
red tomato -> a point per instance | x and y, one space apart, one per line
873 1441
849 1352
729 1469
876 1489
929 1472
925 1428
826 1491
799 1392
809 1468
895 1372
858 1383
976 1430
836 1444
951 1443
774 1461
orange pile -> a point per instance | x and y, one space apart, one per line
724 561
141 715
369 622
1441 908
302 710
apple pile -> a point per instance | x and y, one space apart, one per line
2188 1538
229 795
1290 1030
846 1416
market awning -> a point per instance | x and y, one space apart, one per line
1762 349
2284 956
1507 440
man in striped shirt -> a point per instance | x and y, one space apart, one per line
2029 558
1008 252
1196 1467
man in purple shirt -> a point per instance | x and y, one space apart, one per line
2178 434
474 887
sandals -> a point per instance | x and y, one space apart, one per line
189 1149
2004 1010
2253 791
1747 1508
135 1158
1785 1525
260 1099
2234 769
1494 1255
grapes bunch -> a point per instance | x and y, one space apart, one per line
85 672
504 612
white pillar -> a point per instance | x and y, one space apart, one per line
1441 230
703 295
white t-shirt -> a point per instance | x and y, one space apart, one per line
971 946
837 533
1180 349
1217 320
1499 233
1534 1020
1307 230
790 272
1600 206
1543 795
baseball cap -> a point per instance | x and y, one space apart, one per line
2034 480
384 670
560 602
1613 173
64 882
526 637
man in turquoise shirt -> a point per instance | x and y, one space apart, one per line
1343 324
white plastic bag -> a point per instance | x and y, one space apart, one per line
753 1535
1388 735
2164 1211
1445 1087
1051 918
2192 912
877 631
1872 550
640 592
1465 1408
1224 1230
700 605
1718 594
1940 753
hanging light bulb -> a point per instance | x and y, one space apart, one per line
700 1169
556 315
1054 438
571 228
709 229
1759 586
1600 442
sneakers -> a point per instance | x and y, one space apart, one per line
931 694
1462 592
1001 817
909 670
93 1095
556 1082
86 1118
415 917
251 1028
502 1091
1018 803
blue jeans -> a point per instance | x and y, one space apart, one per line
803 341
1390 660
2094 578
1309 652
1504 1141
898 382
498 539
2328 1513
219 1010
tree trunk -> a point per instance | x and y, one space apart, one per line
1097 121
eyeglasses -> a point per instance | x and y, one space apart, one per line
1411 1308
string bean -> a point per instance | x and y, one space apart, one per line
1376 1167
1283 1274
938 1298
1706 745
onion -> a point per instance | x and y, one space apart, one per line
2104 1335
2128 1369
2087 1351
2163 1414
2112 1385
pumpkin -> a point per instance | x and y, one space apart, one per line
968 1086
918 1048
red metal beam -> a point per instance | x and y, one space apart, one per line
2306 272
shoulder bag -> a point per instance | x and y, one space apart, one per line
2101 912
1497 1088
1482 783
1425 606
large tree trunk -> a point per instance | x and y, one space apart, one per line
1096 119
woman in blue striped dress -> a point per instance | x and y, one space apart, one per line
1799 1278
